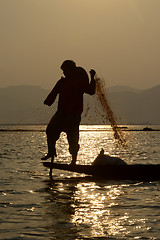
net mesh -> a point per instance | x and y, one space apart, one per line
108 113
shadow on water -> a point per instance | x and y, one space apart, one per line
87 208
59 208
74 208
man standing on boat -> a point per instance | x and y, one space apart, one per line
70 89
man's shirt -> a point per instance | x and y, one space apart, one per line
71 92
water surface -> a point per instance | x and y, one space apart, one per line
74 206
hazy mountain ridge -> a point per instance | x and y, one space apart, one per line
19 104
122 88
24 104
137 107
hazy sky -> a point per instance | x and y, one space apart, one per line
120 39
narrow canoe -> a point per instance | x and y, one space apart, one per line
141 172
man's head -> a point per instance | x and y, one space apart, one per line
68 67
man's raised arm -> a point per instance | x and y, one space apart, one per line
91 89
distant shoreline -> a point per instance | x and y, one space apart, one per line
83 128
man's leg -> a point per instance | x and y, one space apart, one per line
53 132
73 147
73 138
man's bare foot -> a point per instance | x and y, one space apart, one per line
73 163
46 157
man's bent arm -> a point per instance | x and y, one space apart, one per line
52 95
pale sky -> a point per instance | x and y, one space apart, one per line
120 39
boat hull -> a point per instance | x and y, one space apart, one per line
141 172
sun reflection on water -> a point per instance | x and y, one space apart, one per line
96 212
73 206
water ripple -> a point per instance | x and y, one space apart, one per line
75 206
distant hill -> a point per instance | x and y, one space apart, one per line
24 104
123 89
137 107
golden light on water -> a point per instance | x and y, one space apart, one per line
96 212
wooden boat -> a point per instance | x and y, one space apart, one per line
140 172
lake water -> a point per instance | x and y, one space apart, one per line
73 206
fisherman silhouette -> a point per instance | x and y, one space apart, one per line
70 89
